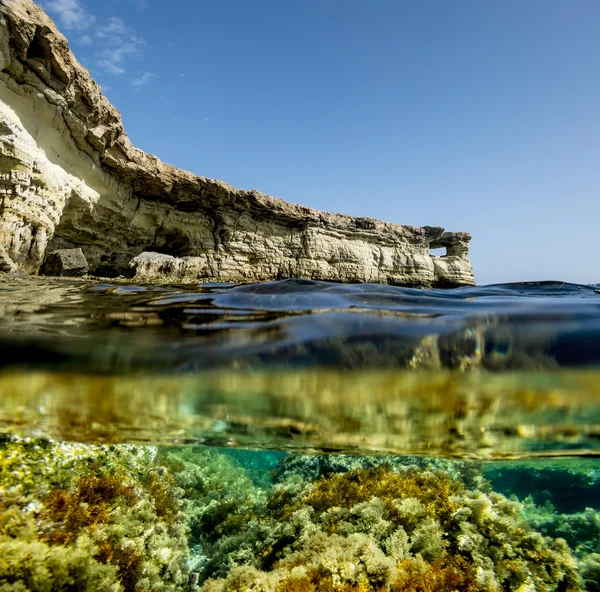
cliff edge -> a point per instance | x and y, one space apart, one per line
70 177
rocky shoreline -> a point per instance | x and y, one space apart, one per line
70 178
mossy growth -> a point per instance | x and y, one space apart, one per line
79 517
312 467
315 581
392 529
219 497
413 575
433 489
87 503
126 518
416 575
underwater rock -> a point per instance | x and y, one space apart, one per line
83 517
70 177
383 529
590 572
568 491
130 518
66 262
581 530
316 466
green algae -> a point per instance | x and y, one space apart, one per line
137 518
370 529
87 517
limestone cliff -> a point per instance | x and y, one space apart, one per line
70 177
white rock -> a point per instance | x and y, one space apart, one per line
70 177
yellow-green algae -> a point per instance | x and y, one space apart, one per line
392 529
81 517
371 525
119 517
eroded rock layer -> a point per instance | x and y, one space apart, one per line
70 177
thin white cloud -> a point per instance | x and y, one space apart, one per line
144 79
182 74
112 59
110 66
119 44
114 27
114 40
70 14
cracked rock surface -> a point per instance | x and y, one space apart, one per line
70 178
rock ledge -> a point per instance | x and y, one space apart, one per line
70 178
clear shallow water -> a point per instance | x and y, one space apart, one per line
186 438
485 372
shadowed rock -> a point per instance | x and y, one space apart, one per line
65 262
6 263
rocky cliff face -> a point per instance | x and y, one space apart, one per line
70 177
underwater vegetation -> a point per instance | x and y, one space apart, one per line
80 517
131 518
393 529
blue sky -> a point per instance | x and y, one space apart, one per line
482 116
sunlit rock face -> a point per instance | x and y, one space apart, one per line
70 177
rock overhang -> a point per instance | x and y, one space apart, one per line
70 178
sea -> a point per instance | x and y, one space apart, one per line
298 435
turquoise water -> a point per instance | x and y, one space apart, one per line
298 435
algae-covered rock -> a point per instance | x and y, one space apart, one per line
590 572
125 518
581 530
222 509
384 528
570 486
81 517
311 467
29 564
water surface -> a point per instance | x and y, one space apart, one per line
481 372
